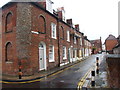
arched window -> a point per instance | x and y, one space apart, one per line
9 52
8 24
62 32
42 25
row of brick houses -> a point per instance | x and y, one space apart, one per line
36 38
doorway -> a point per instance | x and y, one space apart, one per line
42 56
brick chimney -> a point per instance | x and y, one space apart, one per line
69 21
61 13
77 27
82 34
85 37
46 4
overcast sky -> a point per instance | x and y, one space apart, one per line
95 17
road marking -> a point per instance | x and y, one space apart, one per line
82 81
41 78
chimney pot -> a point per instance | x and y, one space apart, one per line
69 21
61 13
77 27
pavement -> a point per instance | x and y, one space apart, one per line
42 74
100 79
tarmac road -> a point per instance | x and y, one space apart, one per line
67 78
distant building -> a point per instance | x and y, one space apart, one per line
96 46
116 49
110 43
87 47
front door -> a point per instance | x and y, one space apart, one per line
41 57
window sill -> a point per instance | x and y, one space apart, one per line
68 41
65 58
9 62
51 60
54 37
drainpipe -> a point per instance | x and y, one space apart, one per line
58 35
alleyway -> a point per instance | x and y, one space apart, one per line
68 78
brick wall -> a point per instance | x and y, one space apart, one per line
113 71
32 26
110 44
9 67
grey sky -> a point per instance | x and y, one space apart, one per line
95 17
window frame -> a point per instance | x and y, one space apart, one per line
68 35
53 27
75 40
6 20
39 31
64 52
53 59
6 52
81 41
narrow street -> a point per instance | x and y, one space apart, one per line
68 78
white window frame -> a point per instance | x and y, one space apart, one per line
64 52
51 60
53 29
75 40
81 41
75 53
68 35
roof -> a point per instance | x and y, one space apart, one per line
110 37
118 37
95 41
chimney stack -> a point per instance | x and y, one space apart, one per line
69 21
85 37
77 27
61 13
46 4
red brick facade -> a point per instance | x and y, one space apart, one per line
110 43
96 46
27 38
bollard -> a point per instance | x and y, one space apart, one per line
97 70
20 72
93 78
92 73
97 65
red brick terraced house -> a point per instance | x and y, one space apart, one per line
87 47
110 42
36 38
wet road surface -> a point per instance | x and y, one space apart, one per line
69 78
